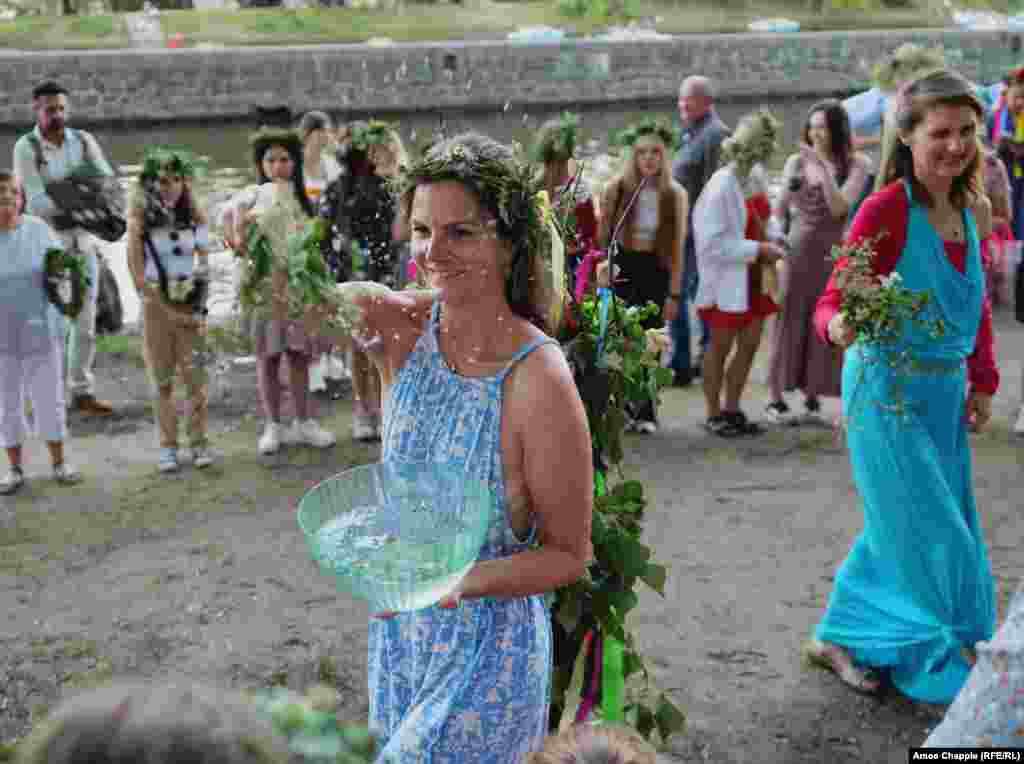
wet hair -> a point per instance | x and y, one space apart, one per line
157 723
264 140
505 187
595 744
915 100
840 135
313 120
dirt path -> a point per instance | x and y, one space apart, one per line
207 574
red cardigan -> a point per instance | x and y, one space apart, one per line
889 210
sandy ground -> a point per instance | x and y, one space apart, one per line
206 573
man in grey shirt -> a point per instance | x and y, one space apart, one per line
696 162
53 151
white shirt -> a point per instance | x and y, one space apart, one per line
723 254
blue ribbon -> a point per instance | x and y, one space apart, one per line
604 295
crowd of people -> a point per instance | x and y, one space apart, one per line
449 269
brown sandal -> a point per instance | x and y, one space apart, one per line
822 655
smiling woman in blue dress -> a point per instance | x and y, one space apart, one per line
917 586
472 381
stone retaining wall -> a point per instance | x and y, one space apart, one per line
224 83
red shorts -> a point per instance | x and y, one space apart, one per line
761 307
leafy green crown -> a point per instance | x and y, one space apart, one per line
907 62
557 139
266 137
180 161
505 181
373 133
649 125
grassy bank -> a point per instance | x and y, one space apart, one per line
469 20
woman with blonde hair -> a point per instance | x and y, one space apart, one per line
733 238
168 242
600 743
644 212
917 588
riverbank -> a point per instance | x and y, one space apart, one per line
206 574
205 85
400 21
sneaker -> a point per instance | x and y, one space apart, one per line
270 441
715 424
778 411
310 433
12 482
646 427
168 460
363 428
201 457
65 474
1018 429
812 406
743 426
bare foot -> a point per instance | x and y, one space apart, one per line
835 659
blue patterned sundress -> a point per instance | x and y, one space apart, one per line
470 685
917 585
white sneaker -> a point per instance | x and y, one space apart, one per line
645 427
201 457
310 433
270 441
168 460
12 481
65 474
1018 429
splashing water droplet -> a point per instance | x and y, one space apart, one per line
507 104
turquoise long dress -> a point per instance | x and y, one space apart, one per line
470 685
917 584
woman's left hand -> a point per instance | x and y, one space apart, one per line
979 410
449 602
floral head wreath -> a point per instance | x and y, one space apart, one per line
907 62
754 141
648 126
373 133
557 139
180 161
507 185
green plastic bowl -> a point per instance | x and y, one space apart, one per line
400 536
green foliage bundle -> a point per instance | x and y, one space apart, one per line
621 369
668 134
61 265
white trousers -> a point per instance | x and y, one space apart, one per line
40 379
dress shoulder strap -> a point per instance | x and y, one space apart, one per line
522 353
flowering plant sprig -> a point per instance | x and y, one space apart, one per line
876 308
60 267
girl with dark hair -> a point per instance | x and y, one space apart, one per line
277 156
820 184
168 241
362 242
917 588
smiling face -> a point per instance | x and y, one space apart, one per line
278 164
1015 98
649 155
943 143
455 243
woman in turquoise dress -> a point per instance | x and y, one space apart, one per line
472 381
917 588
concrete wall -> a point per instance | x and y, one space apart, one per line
141 85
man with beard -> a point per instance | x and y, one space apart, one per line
53 151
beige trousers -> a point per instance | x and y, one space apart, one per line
171 337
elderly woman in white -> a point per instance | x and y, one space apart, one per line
30 342
732 226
